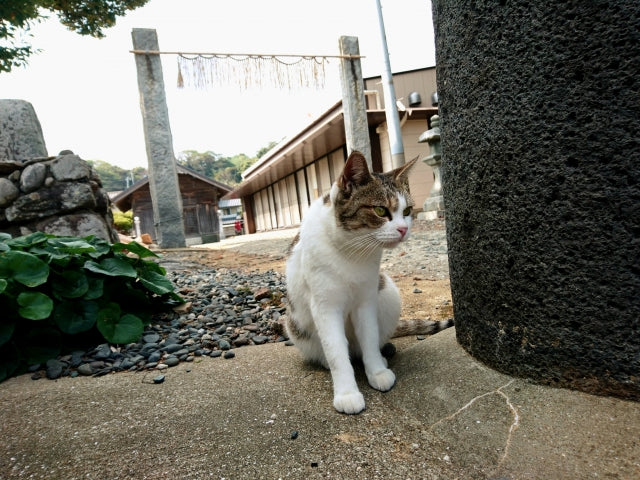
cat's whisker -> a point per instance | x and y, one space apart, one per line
361 246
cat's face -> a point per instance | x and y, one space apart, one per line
375 209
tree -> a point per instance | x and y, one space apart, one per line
223 169
264 150
87 17
114 178
204 163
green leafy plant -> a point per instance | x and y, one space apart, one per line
57 292
123 221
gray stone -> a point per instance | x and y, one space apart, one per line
136 359
15 176
77 225
33 177
260 339
172 348
151 338
155 357
221 329
70 168
85 369
76 358
55 368
103 352
171 361
60 198
8 192
224 344
21 136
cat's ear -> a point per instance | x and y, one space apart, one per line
401 174
355 173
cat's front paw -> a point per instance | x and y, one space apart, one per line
382 380
350 402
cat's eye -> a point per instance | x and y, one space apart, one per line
407 211
381 211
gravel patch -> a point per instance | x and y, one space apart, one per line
225 309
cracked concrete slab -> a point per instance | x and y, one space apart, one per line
265 414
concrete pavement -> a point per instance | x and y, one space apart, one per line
265 414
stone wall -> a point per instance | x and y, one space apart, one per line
58 195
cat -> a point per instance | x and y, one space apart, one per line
340 305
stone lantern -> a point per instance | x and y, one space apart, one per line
433 206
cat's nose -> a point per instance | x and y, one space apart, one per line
403 231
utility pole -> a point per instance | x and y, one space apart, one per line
390 109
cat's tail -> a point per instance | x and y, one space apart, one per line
420 326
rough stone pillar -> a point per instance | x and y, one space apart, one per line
353 101
21 136
541 166
163 175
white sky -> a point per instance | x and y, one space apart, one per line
85 93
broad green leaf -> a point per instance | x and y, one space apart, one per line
109 314
4 238
126 329
176 298
70 284
34 305
96 288
151 266
27 241
23 268
75 316
156 283
50 253
3 285
133 247
113 267
6 330
71 245
102 247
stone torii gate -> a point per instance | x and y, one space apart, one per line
163 176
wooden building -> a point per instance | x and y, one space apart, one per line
278 189
200 197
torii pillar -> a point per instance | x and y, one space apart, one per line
354 107
163 174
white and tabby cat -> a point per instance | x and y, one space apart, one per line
340 305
